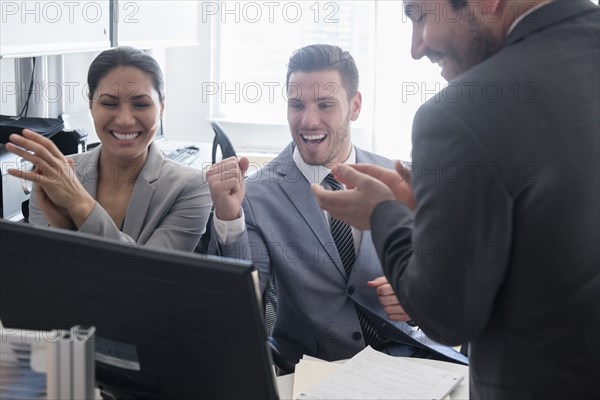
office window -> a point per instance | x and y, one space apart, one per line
402 84
254 43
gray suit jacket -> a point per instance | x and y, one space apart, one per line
505 239
288 238
169 206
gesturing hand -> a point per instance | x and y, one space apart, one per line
388 299
398 181
353 206
54 173
55 216
227 187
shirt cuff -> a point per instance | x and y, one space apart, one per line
229 232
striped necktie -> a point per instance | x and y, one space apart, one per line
344 241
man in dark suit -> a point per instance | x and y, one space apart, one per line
325 294
501 248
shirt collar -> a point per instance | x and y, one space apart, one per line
316 173
524 15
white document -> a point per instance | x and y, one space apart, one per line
374 375
460 392
310 372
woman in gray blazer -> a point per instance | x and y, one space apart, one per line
125 189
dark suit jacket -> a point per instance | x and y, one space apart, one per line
505 242
168 208
288 238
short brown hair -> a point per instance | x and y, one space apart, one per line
324 57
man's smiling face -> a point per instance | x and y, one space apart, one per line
319 115
455 38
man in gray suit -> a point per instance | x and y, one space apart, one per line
502 248
327 304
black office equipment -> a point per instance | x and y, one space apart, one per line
171 324
71 141
47 127
14 192
221 141
185 155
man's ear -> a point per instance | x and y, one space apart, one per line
498 15
492 9
162 109
355 106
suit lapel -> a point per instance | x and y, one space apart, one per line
297 189
363 157
88 167
143 192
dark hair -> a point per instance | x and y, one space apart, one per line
458 4
324 57
124 56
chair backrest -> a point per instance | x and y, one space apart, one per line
270 305
221 140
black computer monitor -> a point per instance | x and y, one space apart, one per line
169 324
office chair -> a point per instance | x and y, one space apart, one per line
280 351
219 141
286 354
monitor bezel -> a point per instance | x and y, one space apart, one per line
36 293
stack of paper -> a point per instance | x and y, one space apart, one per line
47 365
374 375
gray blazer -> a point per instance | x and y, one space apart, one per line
169 206
506 230
288 238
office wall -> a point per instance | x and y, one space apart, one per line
60 80
186 68
8 104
